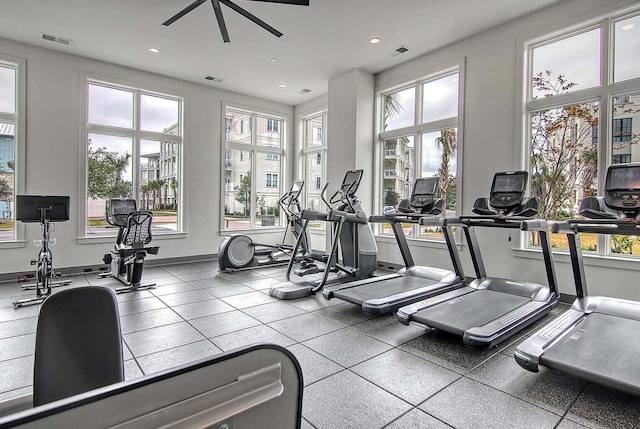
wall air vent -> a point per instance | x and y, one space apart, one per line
397 51
52 38
214 79
304 91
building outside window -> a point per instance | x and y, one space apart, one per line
581 101
132 159
253 166
8 148
313 154
425 144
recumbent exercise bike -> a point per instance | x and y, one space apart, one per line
134 234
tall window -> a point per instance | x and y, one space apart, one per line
580 113
253 166
133 143
419 138
313 155
8 148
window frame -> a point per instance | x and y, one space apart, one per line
417 130
604 94
19 141
312 151
137 135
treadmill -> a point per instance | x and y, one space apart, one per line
385 294
598 338
490 310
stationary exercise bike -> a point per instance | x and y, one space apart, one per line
240 252
134 234
43 209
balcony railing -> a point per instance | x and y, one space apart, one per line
390 173
390 152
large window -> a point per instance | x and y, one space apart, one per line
313 162
419 138
253 169
133 141
582 110
8 148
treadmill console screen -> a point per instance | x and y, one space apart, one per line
424 191
351 182
622 187
507 189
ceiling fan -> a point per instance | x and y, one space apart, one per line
238 9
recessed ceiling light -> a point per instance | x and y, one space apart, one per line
283 85
374 40
273 60
154 50
628 27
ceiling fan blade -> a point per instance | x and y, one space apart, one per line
293 2
183 12
220 18
251 17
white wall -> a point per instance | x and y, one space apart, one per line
55 93
492 141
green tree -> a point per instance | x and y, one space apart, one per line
391 198
243 194
105 174
174 188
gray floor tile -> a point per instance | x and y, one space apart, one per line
485 407
273 311
218 280
184 268
548 389
390 330
197 276
417 419
261 284
15 347
185 297
11 313
223 323
94 280
314 366
133 295
148 319
223 291
325 403
132 370
15 393
348 314
315 302
14 328
173 288
447 351
139 306
305 326
405 375
568 424
247 300
202 309
161 338
601 407
13 289
177 356
126 353
257 334
16 373
347 347
242 276
151 273
166 280
305 425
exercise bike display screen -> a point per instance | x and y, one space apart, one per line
122 207
509 182
30 208
623 177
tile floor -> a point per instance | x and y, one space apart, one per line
359 371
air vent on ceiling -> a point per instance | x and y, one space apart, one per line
397 51
214 79
52 38
304 91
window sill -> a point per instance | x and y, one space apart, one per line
589 260
416 242
112 238
14 244
227 232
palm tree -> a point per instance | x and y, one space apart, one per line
144 189
174 188
448 143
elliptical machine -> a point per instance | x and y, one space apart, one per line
351 235
134 234
239 252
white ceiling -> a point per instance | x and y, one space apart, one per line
320 41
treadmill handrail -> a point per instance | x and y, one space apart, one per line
415 218
600 226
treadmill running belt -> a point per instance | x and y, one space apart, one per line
469 311
601 348
382 289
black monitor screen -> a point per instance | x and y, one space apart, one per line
509 182
426 186
624 177
352 181
296 188
29 208
123 207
